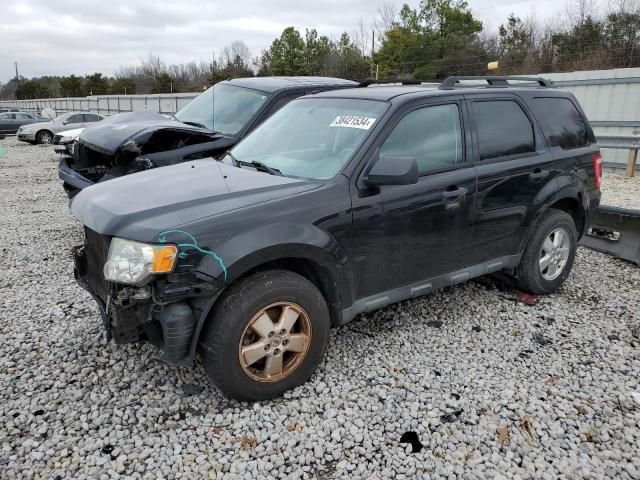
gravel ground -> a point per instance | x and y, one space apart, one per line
492 388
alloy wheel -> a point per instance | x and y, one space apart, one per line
275 342
554 254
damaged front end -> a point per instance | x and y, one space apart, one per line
167 311
132 142
615 231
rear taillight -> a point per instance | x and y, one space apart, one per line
597 169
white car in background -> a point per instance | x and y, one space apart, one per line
43 132
64 142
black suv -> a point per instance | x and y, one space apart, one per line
135 141
342 202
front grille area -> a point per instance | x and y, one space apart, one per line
96 251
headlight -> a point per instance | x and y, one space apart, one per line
133 262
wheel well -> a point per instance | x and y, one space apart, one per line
43 130
574 208
312 271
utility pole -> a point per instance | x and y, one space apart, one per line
17 76
373 42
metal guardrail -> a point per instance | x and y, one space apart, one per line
624 142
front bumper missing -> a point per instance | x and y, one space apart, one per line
73 181
615 231
165 317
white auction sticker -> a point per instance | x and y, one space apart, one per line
353 121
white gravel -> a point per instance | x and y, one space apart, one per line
497 389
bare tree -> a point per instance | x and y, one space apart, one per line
361 37
386 19
578 11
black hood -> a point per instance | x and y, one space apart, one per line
112 132
140 205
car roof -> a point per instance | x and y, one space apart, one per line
273 84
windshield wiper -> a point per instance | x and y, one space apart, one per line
261 167
195 124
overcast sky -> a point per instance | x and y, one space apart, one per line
61 37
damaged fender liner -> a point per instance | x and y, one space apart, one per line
168 313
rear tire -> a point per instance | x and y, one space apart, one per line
549 254
266 335
44 137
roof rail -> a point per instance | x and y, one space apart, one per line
407 81
492 81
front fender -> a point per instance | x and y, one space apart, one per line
242 253
267 243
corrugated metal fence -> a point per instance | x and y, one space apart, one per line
106 104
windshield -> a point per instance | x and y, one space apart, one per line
312 137
234 107
62 117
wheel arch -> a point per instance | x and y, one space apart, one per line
43 130
325 266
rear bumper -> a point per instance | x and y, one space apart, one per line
73 181
615 231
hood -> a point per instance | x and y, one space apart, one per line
109 134
140 205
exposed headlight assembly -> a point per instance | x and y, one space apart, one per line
132 263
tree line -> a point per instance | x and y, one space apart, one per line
431 41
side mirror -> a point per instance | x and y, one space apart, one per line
393 170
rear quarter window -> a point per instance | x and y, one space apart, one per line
561 122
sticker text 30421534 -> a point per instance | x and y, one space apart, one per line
353 121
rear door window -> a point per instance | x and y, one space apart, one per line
77 118
562 123
90 117
503 129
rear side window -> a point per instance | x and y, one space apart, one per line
431 135
78 118
503 129
562 124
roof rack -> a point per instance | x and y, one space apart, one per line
492 81
383 81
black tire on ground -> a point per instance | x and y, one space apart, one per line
44 136
529 275
227 325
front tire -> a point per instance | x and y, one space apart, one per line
266 335
549 254
44 137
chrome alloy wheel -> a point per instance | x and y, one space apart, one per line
46 138
275 342
554 254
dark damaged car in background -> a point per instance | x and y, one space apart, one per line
207 127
